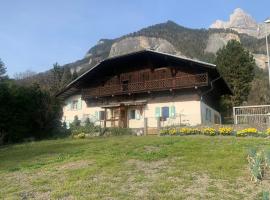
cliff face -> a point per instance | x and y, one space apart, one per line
218 40
242 22
172 38
131 44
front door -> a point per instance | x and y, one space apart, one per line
123 117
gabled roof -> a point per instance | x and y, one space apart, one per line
202 64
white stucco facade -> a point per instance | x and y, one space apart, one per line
191 112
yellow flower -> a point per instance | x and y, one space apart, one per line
172 131
209 131
246 132
225 131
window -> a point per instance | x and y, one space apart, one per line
132 114
101 115
165 112
208 115
74 105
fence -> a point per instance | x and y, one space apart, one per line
253 115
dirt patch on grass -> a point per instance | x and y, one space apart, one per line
74 165
142 175
148 167
151 149
35 195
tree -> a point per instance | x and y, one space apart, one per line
3 70
61 77
27 112
28 74
66 78
260 92
237 66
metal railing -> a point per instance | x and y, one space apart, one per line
258 114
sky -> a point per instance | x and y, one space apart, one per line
34 34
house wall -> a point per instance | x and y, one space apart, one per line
82 112
213 118
190 112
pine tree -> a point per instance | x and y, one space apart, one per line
66 78
237 67
3 70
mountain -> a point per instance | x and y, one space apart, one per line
243 22
169 37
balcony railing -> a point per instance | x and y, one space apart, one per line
151 85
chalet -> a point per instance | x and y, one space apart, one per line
146 88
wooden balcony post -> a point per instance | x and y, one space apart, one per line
105 117
145 126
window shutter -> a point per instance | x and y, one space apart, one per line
69 105
96 115
137 114
172 111
157 112
79 104
129 114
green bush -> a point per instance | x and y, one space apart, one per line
27 112
119 131
80 136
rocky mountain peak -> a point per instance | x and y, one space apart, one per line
239 21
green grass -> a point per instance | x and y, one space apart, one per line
126 167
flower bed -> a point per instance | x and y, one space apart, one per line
209 131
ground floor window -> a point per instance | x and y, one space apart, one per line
102 115
165 112
135 114
74 105
208 115
132 114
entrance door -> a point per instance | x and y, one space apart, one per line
123 117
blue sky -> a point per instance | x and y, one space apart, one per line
34 34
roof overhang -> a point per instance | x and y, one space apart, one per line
73 87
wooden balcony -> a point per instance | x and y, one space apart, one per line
151 85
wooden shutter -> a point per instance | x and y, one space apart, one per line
69 105
97 115
157 112
79 104
137 114
172 111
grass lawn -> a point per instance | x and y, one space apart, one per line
129 167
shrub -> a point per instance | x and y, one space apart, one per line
27 112
247 132
225 131
80 136
209 131
258 163
172 131
164 132
115 131
88 128
268 132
